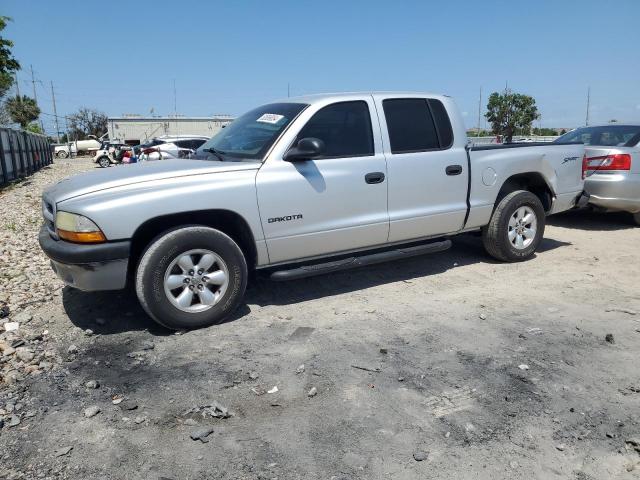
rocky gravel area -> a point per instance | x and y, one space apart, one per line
27 347
444 366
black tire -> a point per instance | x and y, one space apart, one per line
495 236
636 218
150 276
62 154
104 162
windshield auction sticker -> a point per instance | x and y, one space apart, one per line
271 118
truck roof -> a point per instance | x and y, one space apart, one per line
323 97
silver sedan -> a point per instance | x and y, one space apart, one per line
611 166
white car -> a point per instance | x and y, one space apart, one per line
171 146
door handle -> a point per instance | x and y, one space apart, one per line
374 177
454 170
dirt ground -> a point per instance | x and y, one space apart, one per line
478 369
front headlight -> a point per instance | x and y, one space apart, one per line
79 229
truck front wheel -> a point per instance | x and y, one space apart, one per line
516 227
191 277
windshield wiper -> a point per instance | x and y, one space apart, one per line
217 153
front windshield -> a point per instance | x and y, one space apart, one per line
606 136
251 135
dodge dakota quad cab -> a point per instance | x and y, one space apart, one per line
302 186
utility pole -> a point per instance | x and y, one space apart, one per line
479 112
33 82
175 103
66 123
15 77
35 95
55 115
586 122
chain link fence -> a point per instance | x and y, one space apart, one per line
21 154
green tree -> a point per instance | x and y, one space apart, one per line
509 112
476 133
23 110
8 64
87 121
34 128
545 132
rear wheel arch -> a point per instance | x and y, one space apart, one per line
532 182
226 221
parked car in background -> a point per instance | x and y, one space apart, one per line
303 186
171 146
612 157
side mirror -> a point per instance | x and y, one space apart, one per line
306 149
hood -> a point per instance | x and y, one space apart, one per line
105 178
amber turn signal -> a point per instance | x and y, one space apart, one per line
82 237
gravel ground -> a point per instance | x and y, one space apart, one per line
444 366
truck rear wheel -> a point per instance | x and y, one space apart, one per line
516 227
636 218
191 277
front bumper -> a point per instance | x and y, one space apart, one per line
94 267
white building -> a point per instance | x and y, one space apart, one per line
133 129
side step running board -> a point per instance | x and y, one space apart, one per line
353 262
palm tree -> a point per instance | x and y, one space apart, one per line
23 110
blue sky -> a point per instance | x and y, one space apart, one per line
226 57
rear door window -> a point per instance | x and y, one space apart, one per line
411 125
443 124
345 129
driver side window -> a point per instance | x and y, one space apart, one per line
345 129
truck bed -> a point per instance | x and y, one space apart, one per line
557 165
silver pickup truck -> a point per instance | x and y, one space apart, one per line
302 186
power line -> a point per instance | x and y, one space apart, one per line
54 115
